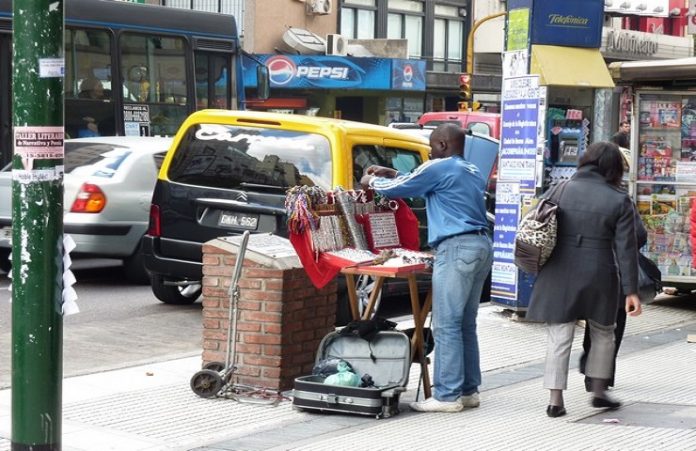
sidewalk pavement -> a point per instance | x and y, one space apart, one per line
151 407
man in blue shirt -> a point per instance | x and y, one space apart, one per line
454 191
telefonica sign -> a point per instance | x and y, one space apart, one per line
568 21
631 43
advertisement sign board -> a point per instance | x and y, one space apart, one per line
339 72
519 135
571 23
507 213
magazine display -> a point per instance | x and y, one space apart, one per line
667 153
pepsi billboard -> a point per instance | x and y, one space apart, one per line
408 75
338 72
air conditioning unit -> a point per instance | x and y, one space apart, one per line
318 7
336 45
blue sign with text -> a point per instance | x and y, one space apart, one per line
571 23
507 212
339 72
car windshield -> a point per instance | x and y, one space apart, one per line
226 156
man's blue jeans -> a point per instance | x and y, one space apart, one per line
462 263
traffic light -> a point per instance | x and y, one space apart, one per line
464 92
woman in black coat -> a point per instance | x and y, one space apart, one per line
641 239
595 258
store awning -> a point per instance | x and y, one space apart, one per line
570 66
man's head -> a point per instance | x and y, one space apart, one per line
625 127
91 88
447 140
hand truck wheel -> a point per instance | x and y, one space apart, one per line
214 366
206 383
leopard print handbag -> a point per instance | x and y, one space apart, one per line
536 234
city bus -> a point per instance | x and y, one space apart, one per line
134 69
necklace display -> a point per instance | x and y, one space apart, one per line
347 224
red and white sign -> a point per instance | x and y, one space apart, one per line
38 142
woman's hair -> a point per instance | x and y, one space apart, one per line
607 157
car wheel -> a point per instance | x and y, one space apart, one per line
5 263
134 268
173 294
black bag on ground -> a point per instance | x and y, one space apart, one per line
649 279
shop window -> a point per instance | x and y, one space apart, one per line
663 162
407 109
232 7
448 39
405 21
358 19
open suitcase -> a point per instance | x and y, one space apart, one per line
387 358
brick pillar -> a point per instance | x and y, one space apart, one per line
282 316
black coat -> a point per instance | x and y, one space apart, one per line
596 254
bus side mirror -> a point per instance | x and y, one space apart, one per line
263 84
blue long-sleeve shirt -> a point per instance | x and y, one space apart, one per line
454 192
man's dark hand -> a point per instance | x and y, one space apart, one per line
365 181
381 171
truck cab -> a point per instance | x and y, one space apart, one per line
477 121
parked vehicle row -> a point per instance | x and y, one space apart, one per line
154 201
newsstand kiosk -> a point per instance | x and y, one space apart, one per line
556 99
663 154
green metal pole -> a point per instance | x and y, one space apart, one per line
37 224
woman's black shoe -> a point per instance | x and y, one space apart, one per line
605 403
555 411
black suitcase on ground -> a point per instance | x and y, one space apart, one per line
386 358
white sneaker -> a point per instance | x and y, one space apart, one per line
471 400
433 405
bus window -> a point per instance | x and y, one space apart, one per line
87 58
89 109
124 75
212 81
154 73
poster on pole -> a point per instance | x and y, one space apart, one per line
520 131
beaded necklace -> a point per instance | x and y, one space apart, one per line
300 203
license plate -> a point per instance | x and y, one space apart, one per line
239 220
6 233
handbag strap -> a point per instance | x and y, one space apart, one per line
552 195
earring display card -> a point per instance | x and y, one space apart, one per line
382 232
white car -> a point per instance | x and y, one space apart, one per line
108 188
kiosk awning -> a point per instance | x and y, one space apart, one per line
570 66
668 70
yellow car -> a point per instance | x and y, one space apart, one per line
228 171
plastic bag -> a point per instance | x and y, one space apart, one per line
329 366
344 376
